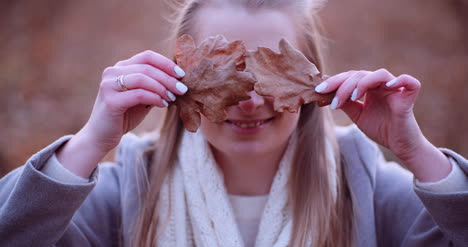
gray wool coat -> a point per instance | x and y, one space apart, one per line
36 210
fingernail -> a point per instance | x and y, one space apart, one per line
165 103
179 71
181 87
321 87
334 103
390 83
170 95
355 94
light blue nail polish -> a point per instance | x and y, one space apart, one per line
391 83
170 95
355 94
182 88
334 103
179 71
165 103
321 87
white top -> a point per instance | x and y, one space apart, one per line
248 212
248 209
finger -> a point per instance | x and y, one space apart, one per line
142 81
408 89
127 99
333 82
410 84
157 60
372 80
168 81
347 88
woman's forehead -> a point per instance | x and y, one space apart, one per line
261 28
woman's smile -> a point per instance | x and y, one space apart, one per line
249 126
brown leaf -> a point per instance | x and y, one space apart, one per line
212 77
287 76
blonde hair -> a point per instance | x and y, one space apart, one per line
315 212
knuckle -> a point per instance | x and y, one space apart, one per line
157 97
418 83
382 71
143 55
406 77
167 80
366 72
361 73
139 77
340 93
160 88
139 95
104 85
167 63
410 78
147 69
108 71
135 79
108 102
148 54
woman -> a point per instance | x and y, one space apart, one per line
262 178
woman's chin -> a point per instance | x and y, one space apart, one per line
245 148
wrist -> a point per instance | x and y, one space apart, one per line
426 162
412 151
90 138
81 155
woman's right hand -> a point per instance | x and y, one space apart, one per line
149 79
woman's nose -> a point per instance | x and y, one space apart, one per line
252 104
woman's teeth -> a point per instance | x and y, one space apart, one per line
248 125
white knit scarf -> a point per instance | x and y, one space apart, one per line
200 213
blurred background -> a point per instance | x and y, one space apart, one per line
53 53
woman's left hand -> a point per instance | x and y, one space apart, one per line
386 113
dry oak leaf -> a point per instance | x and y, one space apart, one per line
212 77
289 77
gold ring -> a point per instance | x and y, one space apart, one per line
121 82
